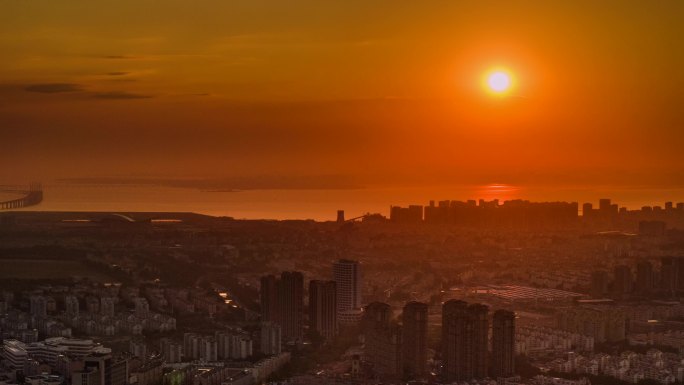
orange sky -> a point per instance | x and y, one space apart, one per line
383 92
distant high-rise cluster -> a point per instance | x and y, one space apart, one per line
465 342
649 220
400 350
603 323
640 280
282 302
488 213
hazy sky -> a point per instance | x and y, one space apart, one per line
378 91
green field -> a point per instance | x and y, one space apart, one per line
47 269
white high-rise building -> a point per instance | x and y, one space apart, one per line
347 276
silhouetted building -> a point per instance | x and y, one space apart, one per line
480 330
269 298
622 281
503 344
669 275
437 214
465 335
377 315
340 216
644 277
652 228
454 339
291 305
604 204
411 214
323 308
679 266
599 283
414 339
383 344
604 323
511 214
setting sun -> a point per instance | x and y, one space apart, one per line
499 82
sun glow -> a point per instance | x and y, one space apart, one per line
498 82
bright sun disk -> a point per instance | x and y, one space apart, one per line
499 81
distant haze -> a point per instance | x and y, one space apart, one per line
312 94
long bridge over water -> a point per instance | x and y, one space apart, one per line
29 196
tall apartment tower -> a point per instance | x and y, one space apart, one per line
622 281
347 276
414 339
291 305
479 323
270 338
377 316
454 327
669 274
464 340
644 277
268 295
383 348
599 283
323 308
503 344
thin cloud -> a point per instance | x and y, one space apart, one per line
118 73
122 57
53 88
120 95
